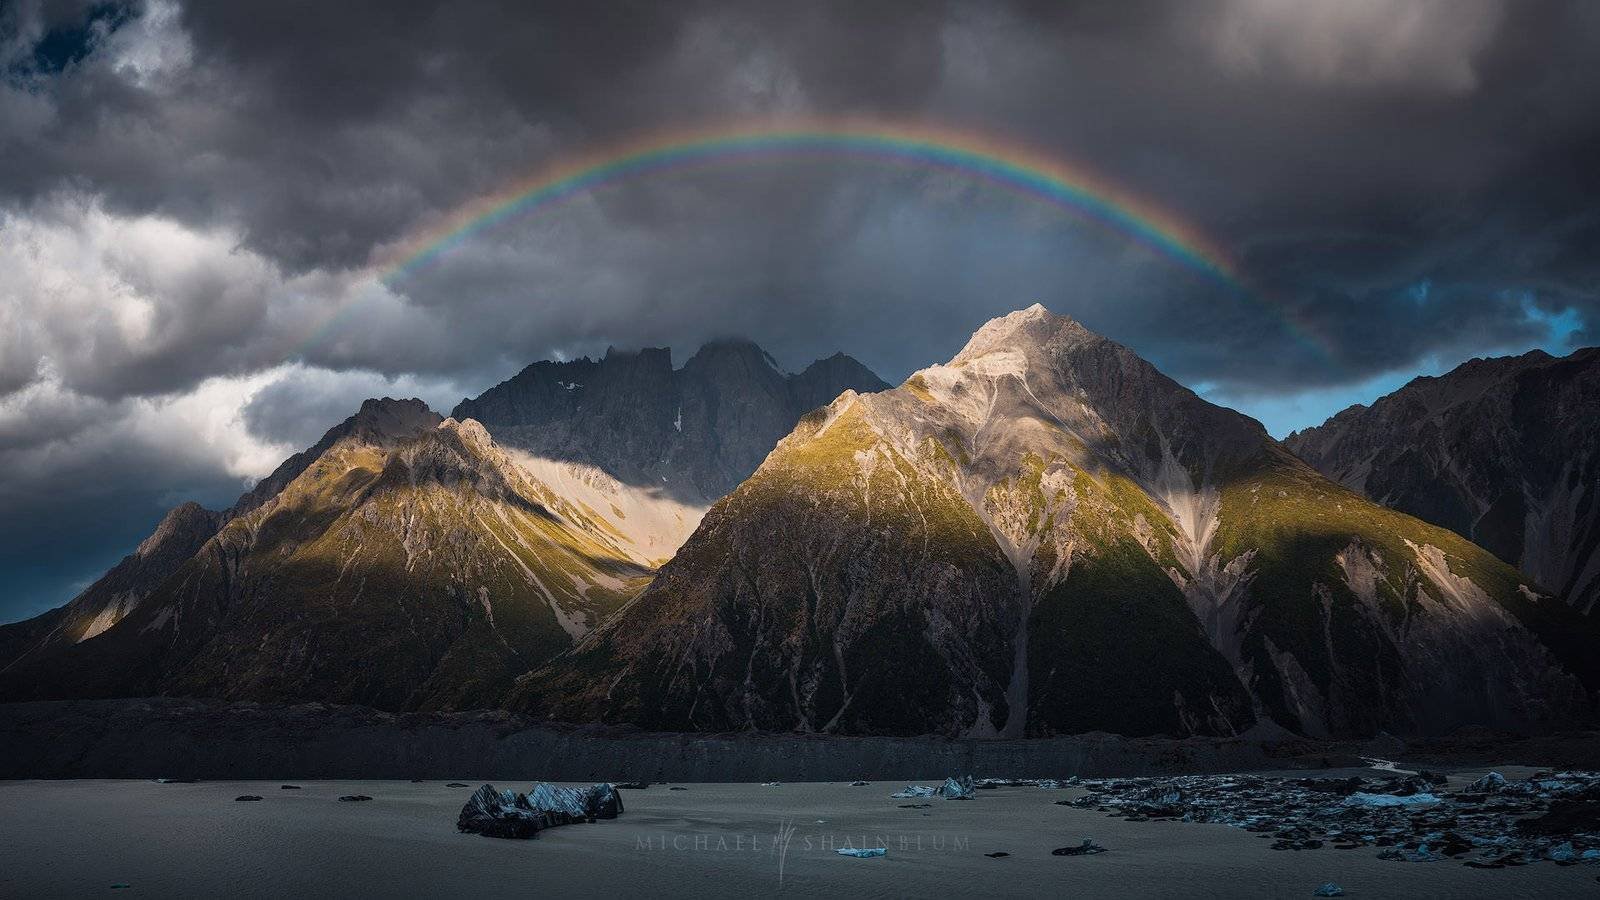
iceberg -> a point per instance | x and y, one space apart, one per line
954 789
1492 783
1361 799
597 801
558 801
862 852
500 814
1087 848
508 814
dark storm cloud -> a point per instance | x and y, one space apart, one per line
190 194
1346 153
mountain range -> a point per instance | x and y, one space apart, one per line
1043 536
408 561
1047 536
1505 452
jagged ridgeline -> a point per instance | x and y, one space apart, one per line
412 562
1048 536
1503 451
691 433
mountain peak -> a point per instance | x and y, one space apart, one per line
1026 330
184 520
470 431
384 420
733 351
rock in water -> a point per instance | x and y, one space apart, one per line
246 797
500 814
353 798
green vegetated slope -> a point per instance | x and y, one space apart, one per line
1048 536
864 604
416 570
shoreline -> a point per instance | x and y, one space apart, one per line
207 739
72 838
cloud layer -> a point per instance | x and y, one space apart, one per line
193 196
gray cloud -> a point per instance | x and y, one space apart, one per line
191 195
1432 44
297 408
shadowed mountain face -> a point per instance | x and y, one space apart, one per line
1503 451
119 592
1048 536
403 563
181 534
691 434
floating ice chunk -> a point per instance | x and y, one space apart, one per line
548 797
1328 889
862 852
509 814
953 789
1087 848
1361 799
1421 854
501 814
597 801
1492 783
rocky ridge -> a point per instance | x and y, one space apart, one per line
1502 451
1047 536
409 564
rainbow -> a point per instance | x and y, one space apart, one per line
1009 166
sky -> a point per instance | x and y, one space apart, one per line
196 199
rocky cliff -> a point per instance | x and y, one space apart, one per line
409 563
1505 452
1048 536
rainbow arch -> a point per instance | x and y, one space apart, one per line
986 159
